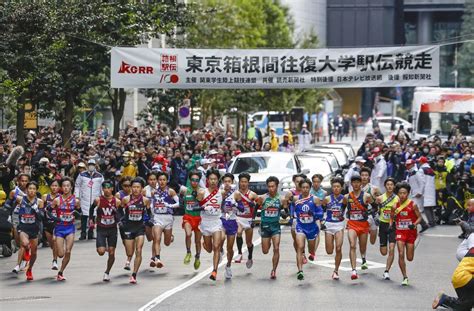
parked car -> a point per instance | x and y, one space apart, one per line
261 165
346 147
316 164
385 124
339 153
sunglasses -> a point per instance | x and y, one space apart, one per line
195 179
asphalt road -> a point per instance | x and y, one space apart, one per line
179 287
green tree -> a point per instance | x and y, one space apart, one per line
466 53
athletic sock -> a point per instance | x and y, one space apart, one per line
157 256
134 275
188 250
240 242
60 273
363 260
197 256
250 249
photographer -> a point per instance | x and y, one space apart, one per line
42 175
457 202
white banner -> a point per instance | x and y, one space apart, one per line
264 69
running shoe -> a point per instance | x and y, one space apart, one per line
213 275
405 282
54 266
354 275
60 277
228 273
16 269
159 264
23 265
305 260
29 275
300 275
133 280
386 276
438 301
106 277
127 265
187 258
273 275
197 263
153 262
364 266
238 259
249 263
335 275
312 257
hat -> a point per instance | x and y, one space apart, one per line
422 160
287 127
360 159
127 154
91 162
409 162
44 160
205 161
52 165
81 164
272 130
212 152
304 125
285 135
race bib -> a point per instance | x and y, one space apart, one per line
404 225
271 212
386 214
306 219
336 214
160 208
356 216
135 215
107 220
67 217
212 211
191 205
28 219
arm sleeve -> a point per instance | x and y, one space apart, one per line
240 205
176 202
91 211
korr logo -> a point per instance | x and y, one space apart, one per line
127 68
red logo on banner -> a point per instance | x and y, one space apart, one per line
127 68
169 78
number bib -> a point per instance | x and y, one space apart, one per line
404 225
160 208
306 218
107 220
386 214
356 215
212 210
336 214
134 213
271 212
67 216
28 219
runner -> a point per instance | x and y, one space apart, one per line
289 198
49 223
386 233
374 192
272 206
245 218
334 223
320 193
406 216
132 210
64 205
229 221
308 214
126 183
29 210
210 200
163 201
10 204
192 218
103 212
152 179
357 225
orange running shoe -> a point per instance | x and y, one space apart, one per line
29 275
213 275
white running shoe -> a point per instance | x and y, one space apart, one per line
106 277
335 275
249 263
238 259
228 273
23 265
16 269
54 266
127 265
386 276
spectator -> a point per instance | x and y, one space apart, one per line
273 140
285 146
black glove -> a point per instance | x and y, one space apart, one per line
411 227
284 214
323 226
252 223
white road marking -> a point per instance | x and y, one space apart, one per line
153 303
438 235
330 264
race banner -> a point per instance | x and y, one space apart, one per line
274 68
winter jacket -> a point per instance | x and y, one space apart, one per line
88 188
429 193
416 179
379 173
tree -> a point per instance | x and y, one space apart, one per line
466 53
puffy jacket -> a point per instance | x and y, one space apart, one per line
88 188
416 179
429 193
379 173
